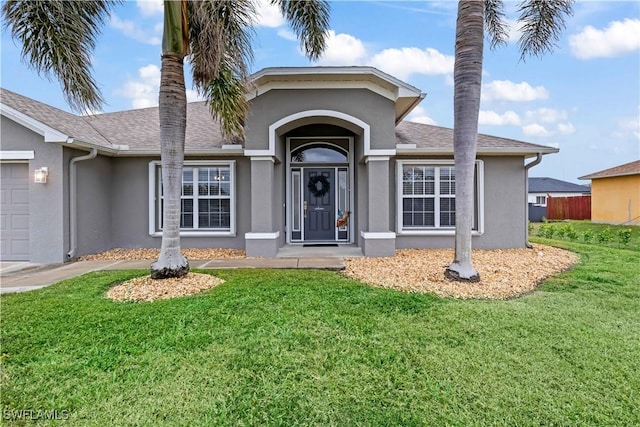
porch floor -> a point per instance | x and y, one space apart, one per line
299 251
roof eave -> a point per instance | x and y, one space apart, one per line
530 152
594 176
48 133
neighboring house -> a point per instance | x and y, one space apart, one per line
541 188
615 194
321 142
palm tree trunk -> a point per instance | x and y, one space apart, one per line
173 125
467 87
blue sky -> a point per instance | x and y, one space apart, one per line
583 98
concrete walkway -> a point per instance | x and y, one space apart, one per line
21 277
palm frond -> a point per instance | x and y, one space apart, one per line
226 97
221 34
309 20
494 21
57 39
543 22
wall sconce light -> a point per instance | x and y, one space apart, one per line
40 175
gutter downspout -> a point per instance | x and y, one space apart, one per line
526 197
73 201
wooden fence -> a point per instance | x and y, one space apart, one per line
578 207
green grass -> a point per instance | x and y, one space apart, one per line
594 230
287 348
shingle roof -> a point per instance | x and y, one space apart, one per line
438 139
632 168
140 130
67 123
552 185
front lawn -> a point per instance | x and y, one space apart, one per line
314 348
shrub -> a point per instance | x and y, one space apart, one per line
546 231
587 236
624 236
604 236
570 232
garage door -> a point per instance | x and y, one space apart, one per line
14 211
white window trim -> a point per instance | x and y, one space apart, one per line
17 155
153 205
436 231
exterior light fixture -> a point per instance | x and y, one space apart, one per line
40 175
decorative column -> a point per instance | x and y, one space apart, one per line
378 240
262 241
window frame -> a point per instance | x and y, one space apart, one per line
155 205
436 231
541 200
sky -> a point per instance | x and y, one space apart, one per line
583 98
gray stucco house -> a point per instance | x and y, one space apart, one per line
327 159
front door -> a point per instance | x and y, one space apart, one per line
319 204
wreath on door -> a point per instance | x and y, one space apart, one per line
318 191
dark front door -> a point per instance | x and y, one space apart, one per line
319 204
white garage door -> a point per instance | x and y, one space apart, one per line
14 211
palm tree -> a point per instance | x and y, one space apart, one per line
542 22
58 37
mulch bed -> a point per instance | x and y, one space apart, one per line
503 273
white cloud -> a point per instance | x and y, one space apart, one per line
566 128
268 14
615 40
536 130
547 115
419 115
132 30
496 119
90 112
193 96
150 7
143 91
403 62
505 90
513 30
287 34
628 126
343 49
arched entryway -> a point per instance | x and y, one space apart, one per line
319 188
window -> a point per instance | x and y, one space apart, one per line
541 200
426 197
319 154
207 198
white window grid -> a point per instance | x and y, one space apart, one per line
199 184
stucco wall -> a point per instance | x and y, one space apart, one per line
616 200
504 210
130 206
94 207
47 220
363 104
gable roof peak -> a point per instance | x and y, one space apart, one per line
631 168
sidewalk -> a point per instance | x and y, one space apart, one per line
24 277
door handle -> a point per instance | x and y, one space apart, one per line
305 208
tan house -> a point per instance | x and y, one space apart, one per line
615 194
